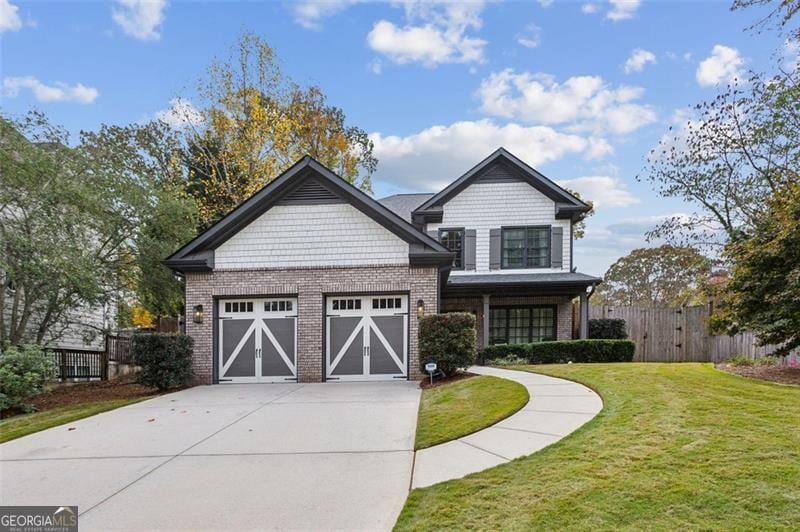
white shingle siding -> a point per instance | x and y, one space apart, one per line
311 235
485 206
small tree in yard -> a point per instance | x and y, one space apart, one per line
23 374
763 294
166 359
447 339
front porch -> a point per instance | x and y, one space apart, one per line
521 308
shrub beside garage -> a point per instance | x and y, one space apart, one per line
562 352
165 359
448 340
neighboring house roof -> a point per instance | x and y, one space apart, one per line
502 166
404 204
307 181
552 281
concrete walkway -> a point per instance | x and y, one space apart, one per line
556 408
235 457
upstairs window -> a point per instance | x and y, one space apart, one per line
526 247
453 239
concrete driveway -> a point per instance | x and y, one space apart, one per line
280 456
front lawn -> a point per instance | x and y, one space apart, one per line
19 426
676 446
462 407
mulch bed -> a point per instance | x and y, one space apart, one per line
438 381
779 374
124 387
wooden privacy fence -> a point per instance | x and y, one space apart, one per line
679 334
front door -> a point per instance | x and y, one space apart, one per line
257 340
366 337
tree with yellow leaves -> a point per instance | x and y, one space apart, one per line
254 122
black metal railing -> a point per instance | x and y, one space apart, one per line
79 364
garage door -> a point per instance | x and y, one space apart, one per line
257 340
366 337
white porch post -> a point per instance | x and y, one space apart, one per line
584 329
486 321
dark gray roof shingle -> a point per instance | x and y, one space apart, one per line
404 204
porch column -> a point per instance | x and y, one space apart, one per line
584 329
486 321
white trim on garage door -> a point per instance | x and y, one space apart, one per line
257 340
366 337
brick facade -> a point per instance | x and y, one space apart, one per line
475 305
310 286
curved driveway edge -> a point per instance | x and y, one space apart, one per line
557 407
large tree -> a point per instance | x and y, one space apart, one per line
61 231
252 122
780 13
650 277
728 159
80 224
148 159
763 294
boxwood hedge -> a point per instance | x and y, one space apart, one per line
564 351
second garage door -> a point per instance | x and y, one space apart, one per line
366 337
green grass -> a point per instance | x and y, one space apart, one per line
676 447
453 410
19 426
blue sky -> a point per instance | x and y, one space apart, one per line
580 90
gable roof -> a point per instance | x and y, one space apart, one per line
307 181
404 204
502 166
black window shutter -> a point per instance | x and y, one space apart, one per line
495 250
557 247
469 249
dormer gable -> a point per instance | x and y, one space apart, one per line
502 167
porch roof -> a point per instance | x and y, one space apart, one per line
567 283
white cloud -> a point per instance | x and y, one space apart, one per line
433 157
583 103
9 19
59 92
791 55
310 13
435 34
546 3
180 114
638 60
603 191
140 19
722 66
532 36
604 245
590 8
622 9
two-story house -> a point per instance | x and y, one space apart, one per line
311 279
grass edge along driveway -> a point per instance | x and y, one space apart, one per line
459 408
677 446
22 425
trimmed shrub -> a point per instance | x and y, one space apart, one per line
23 374
447 339
564 351
607 329
166 359
741 361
